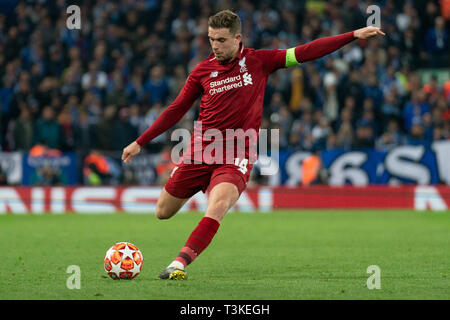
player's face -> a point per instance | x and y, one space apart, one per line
224 44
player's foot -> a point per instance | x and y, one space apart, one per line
173 273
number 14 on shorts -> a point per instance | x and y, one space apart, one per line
242 164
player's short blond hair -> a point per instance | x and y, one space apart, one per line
226 19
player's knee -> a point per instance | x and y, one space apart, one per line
162 213
219 207
222 205
225 203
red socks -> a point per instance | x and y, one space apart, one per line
198 240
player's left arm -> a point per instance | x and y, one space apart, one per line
276 59
323 46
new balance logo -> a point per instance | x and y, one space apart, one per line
214 74
247 77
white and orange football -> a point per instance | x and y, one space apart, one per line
123 261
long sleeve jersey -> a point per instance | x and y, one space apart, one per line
232 93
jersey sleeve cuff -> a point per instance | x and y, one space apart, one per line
140 142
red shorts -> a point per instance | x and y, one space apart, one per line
188 179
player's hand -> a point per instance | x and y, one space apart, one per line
130 151
368 32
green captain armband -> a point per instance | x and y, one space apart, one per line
291 60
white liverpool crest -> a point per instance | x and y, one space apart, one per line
243 66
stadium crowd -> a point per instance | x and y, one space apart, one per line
101 86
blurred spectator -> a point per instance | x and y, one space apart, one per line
92 105
134 89
352 87
183 22
392 137
65 119
276 104
94 78
365 137
115 91
389 81
137 119
417 134
297 90
85 134
410 48
345 134
368 116
352 14
158 143
6 97
105 128
47 130
372 91
122 130
157 86
320 132
331 104
310 169
47 176
332 142
414 110
437 43
390 107
96 170
23 131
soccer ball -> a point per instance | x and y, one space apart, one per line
123 261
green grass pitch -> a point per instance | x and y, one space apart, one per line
306 254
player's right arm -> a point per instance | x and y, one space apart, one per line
191 90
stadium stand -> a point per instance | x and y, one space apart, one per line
99 87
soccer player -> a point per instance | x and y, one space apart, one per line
231 83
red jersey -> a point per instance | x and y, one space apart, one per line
232 93
232 100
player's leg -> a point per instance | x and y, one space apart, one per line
184 181
226 186
221 198
168 205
